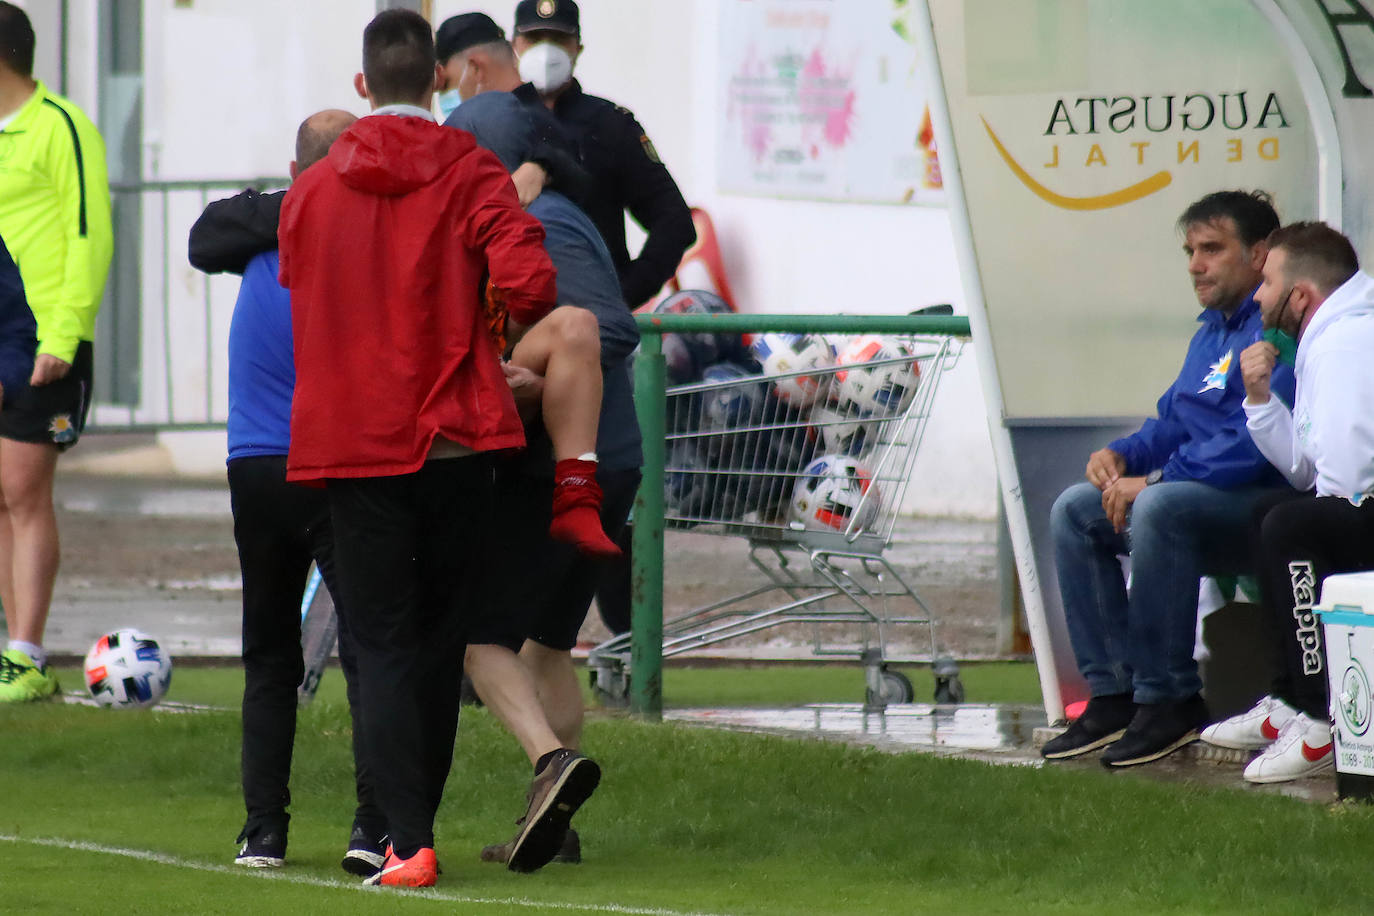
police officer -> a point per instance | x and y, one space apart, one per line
626 171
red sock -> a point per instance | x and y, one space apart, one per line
577 509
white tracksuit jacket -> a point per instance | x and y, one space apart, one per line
1328 439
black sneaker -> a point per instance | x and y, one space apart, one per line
366 852
1158 730
1103 721
265 849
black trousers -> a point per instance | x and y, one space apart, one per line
1301 542
280 529
410 552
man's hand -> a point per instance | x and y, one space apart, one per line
530 179
48 368
526 386
1256 367
1118 497
1104 468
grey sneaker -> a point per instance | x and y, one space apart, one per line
570 853
555 795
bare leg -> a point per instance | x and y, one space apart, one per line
565 348
559 690
506 687
28 534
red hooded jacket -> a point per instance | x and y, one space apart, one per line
384 246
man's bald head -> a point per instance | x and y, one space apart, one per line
317 134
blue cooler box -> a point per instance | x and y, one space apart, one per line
1346 613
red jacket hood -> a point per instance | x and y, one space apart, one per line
392 155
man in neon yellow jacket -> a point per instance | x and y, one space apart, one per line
55 220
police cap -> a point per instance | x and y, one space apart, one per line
553 15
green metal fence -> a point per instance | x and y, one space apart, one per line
646 576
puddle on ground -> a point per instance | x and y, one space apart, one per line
990 732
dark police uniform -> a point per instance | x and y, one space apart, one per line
626 174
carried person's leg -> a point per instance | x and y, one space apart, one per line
565 348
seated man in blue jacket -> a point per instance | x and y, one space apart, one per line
1178 496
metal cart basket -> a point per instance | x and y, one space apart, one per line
809 461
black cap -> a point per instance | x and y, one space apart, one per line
458 33
554 15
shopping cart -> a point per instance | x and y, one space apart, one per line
810 465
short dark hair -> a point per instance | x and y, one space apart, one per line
398 56
458 33
16 39
1316 252
1252 211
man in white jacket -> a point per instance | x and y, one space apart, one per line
1313 291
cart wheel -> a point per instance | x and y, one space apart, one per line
949 689
609 688
896 689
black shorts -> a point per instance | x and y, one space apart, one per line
55 413
538 588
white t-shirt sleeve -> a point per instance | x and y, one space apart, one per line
1271 427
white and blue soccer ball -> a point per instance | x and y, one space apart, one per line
127 668
879 390
808 354
843 433
738 402
836 493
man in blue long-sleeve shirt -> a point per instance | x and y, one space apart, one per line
1177 496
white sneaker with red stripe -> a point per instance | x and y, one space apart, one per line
1304 747
1252 730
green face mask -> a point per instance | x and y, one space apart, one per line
1284 342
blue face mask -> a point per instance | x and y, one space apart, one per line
1284 343
449 100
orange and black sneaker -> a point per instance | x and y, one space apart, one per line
420 870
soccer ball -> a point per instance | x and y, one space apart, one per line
127 668
836 493
881 390
843 433
709 347
779 354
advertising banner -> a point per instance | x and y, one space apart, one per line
825 100
1073 134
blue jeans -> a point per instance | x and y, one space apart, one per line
1142 643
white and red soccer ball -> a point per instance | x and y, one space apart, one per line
881 390
809 356
127 668
836 493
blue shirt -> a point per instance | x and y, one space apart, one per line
262 370
1200 432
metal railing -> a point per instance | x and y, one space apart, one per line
163 332
646 572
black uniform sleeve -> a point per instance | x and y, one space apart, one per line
653 199
232 231
555 152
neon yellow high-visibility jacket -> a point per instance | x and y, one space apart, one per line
55 217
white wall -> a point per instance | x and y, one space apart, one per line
273 63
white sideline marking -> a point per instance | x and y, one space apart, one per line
266 874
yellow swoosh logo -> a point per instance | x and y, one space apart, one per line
1156 182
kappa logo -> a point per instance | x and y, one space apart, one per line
1215 379
1304 584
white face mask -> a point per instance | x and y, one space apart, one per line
448 100
547 66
